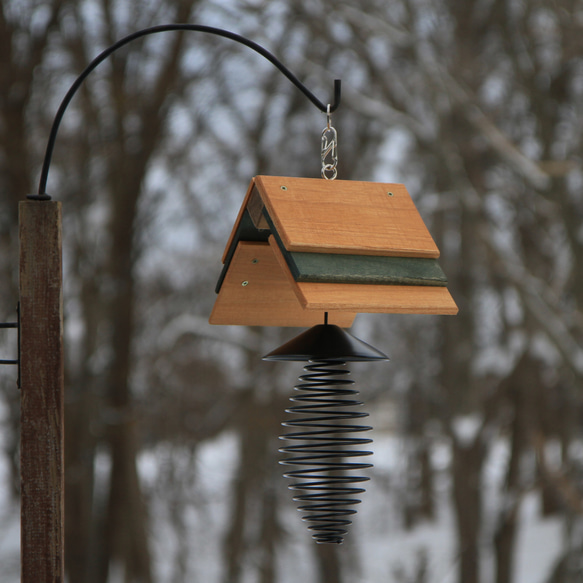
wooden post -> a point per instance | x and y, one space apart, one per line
42 420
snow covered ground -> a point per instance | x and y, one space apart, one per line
377 540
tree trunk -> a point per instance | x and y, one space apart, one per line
520 386
254 488
126 541
328 563
467 492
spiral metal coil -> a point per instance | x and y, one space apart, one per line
325 491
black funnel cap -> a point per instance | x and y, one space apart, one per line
326 341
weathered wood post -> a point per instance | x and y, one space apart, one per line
41 378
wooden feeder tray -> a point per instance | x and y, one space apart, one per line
301 247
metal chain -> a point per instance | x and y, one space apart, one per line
329 151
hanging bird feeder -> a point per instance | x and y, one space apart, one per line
303 251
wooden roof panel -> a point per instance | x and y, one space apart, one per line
345 216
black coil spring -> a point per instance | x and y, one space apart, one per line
327 492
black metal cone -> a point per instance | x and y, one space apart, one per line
326 341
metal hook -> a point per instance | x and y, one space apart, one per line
329 148
42 195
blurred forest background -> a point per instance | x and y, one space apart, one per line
171 425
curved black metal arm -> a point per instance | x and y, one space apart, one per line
42 195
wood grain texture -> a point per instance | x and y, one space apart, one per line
42 421
387 299
345 216
370 269
245 231
233 235
267 299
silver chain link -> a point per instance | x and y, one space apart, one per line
329 151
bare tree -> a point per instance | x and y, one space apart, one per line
475 106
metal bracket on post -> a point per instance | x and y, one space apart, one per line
15 325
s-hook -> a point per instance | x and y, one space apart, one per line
42 195
329 149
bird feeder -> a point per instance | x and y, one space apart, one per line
302 247
305 251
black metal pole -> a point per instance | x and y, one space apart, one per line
42 195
